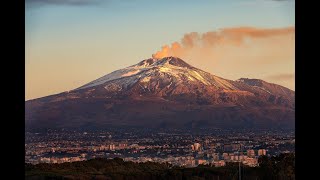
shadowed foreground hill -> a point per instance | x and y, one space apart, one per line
280 167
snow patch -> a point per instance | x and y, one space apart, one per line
146 79
190 78
263 89
225 84
169 85
199 77
130 73
164 69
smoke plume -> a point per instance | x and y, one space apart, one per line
204 42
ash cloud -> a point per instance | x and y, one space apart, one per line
232 36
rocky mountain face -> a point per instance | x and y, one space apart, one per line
162 93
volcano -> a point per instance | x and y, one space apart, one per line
165 93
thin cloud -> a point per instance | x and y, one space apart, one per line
63 2
281 77
264 2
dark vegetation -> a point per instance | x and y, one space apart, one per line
279 167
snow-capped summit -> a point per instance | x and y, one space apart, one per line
143 66
167 70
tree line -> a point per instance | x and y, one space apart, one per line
276 167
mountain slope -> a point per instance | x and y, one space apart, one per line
165 92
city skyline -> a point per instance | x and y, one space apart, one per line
209 146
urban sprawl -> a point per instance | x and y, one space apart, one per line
180 148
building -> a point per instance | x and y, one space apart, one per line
227 147
252 162
212 146
236 147
242 157
216 156
250 153
102 148
111 147
226 156
201 161
190 163
232 147
83 155
122 146
219 163
262 152
236 158
232 157
196 147
207 141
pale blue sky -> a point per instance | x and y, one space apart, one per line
95 39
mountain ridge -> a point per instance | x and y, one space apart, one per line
168 92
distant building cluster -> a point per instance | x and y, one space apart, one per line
215 159
174 148
60 160
262 152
